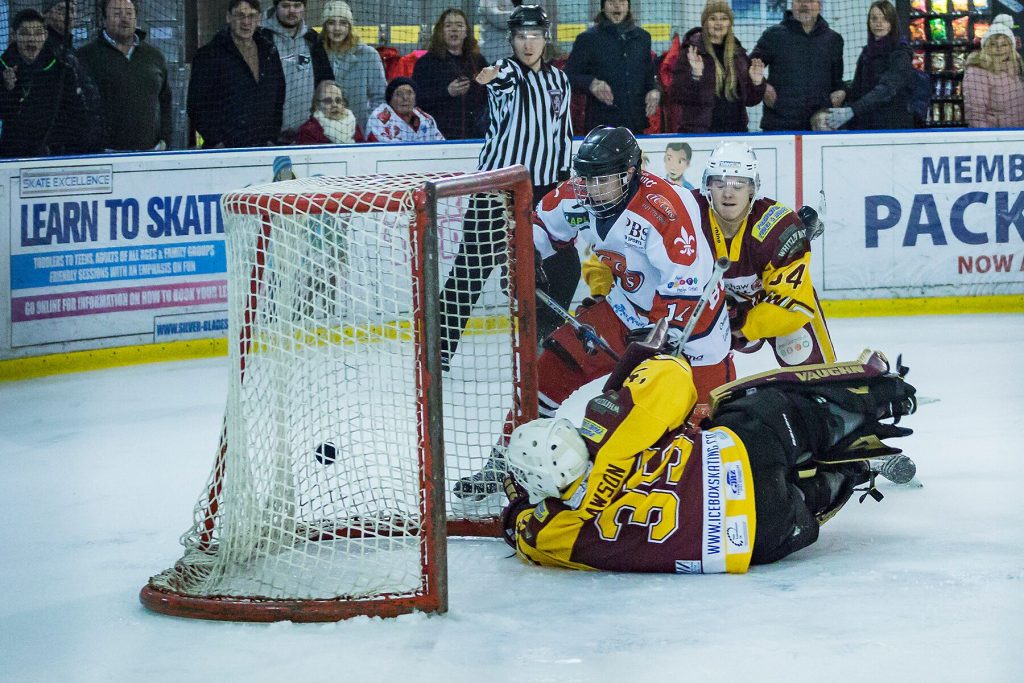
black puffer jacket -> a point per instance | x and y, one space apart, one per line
804 68
47 112
226 104
881 86
619 55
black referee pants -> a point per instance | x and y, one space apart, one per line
480 253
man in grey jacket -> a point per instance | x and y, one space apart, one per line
303 60
805 67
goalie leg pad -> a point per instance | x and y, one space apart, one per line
864 386
565 365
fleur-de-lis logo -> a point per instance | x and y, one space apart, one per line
688 242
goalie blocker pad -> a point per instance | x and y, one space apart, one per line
864 387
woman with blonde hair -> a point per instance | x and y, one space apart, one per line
357 67
331 121
993 89
715 81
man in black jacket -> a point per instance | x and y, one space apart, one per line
805 67
132 80
45 109
236 93
611 61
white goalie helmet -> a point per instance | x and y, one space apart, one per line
734 159
545 456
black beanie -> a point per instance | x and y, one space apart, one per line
394 85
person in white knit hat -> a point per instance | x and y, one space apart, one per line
993 86
357 66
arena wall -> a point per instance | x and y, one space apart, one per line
120 258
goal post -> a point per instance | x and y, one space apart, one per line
331 493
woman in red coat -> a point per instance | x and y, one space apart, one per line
331 122
714 80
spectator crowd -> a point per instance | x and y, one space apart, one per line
269 78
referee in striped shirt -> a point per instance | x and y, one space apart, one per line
528 109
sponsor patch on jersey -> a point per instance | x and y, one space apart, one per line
625 316
575 218
663 206
636 234
795 348
688 567
765 224
593 431
603 405
683 283
735 486
736 533
541 511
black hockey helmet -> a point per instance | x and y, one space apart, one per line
606 151
605 156
528 16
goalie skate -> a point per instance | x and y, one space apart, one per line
482 491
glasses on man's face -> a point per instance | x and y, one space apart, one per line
332 100
719 183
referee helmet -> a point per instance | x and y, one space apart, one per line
601 168
528 17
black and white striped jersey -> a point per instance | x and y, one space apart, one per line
528 122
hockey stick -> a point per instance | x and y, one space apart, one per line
586 332
721 265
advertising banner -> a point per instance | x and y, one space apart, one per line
132 249
917 215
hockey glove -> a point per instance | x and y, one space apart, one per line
518 500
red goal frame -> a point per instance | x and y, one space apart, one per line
432 595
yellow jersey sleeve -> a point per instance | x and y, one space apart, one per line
598 276
787 303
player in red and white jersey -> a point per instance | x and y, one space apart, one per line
647 231
771 296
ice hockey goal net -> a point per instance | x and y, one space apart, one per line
331 491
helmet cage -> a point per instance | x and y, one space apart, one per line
601 205
545 456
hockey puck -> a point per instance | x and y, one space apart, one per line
326 453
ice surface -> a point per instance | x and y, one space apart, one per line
101 470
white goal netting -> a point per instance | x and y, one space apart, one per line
320 489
